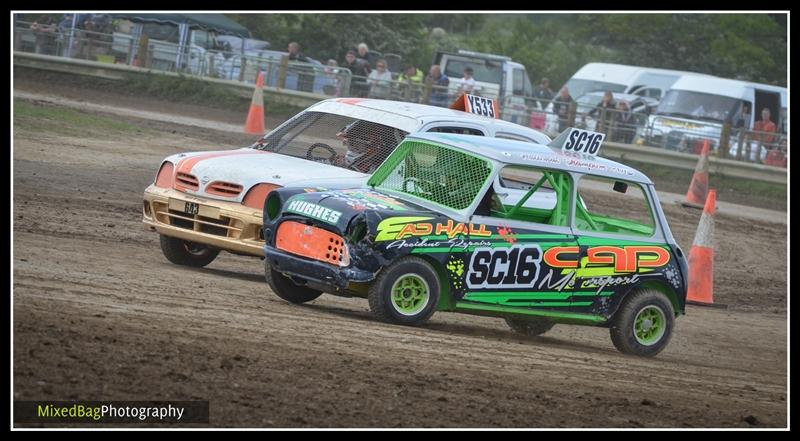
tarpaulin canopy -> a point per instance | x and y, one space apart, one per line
218 23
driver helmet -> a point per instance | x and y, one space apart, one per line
367 144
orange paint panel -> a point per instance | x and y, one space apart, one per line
164 178
312 242
350 100
257 195
186 165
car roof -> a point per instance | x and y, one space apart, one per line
410 116
723 86
539 155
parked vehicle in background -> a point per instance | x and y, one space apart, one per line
695 109
587 118
496 77
621 78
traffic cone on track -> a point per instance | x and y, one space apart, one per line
698 189
255 118
701 257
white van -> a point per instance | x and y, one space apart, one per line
697 108
620 78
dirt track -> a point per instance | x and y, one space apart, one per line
100 314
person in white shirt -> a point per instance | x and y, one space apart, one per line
380 81
467 84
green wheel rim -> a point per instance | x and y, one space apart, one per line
649 325
410 294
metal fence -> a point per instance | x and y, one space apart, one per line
636 126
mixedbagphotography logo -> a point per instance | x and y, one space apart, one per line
101 412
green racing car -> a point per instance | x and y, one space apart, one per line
535 234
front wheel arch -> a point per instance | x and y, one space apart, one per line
446 300
656 285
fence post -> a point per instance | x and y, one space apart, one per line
601 125
725 140
282 72
426 94
130 52
212 71
573 107
143 53
742 134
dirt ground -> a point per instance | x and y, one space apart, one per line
99 313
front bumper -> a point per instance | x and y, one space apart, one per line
229 226
335 279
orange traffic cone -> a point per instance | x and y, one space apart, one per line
698 189
255 118
701 257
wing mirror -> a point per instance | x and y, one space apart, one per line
620 187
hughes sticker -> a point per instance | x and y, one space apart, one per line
314 211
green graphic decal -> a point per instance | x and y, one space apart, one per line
456 268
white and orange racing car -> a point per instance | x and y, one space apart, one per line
203 202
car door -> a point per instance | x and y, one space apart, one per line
521 222
621 244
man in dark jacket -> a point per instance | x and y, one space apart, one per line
544 93
561 107
360 70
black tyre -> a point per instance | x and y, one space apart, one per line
182 252
530 326
284 288
406 292
643 323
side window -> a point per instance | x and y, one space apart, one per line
606 205
514 136
529 194
457 130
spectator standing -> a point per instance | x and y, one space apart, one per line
360 70
561 106
410 83
742 119
380 81
765 124
305 76
363 51
604 111
467 83
439 81
295 54
544 93
624 123
44 31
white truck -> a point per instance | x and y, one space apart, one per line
496 77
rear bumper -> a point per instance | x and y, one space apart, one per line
229 226
319 273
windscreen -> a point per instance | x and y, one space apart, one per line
441 175
578 87
697 105
334 139
485 71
